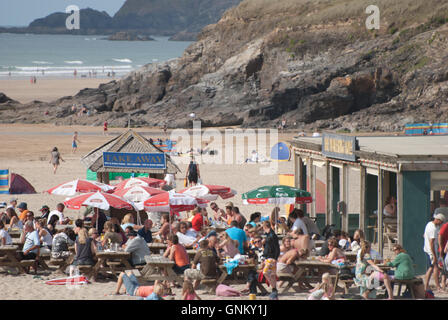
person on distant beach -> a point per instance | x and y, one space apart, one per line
105 128
75 142
193 174
75 72
55 157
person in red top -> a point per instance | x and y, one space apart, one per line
442 240
105 128
199 220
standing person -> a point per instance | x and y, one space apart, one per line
105 128
442 241
193 174
271 253
75 142
297 222
55 157
431 243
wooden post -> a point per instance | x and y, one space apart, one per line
436 195
106 178
345 198
362 199
380 211
311 177
400 207
328 194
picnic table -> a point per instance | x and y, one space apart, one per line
307 270
111 261
15 233
155 247
351 256
8 257
191 253
239 275
160 268
318 243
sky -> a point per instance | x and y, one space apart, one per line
23 12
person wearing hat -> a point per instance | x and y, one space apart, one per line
431 249
138 248
12 203
45 210
23 210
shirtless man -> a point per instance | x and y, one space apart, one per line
301 241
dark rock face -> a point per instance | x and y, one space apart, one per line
245 70
129 36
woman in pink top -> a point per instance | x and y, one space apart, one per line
229 246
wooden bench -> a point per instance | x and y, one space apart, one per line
210 284
410 283
86 270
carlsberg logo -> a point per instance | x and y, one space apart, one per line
72 21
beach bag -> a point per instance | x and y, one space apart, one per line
429 294
185 182
345 273
225 291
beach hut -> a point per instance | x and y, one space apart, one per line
280 152
129 153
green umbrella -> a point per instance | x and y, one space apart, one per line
276 195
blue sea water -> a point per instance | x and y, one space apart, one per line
58 56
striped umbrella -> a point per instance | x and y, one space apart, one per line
209 192
276 195
140 181
82 186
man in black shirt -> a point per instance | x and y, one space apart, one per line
271 253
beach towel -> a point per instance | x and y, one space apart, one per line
4 181
75 280
226 291
230 265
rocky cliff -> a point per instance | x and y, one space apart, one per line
313 63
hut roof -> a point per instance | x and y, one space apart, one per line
129 141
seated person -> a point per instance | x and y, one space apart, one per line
5 238
138 248
336 254
85 250
145 232
164 228
31 244
177 253
61 243
184 238
128 220
229 247
208 262
301 241
110 236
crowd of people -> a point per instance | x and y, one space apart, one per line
256 238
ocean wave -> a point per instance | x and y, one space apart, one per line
41 62
74 62
123 60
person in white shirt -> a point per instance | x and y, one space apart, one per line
59 212
185 239
12 203
5 238
170 180
294 217
430 248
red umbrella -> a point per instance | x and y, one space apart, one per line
99 200
82 186
140 181
172 202
209 192
138 193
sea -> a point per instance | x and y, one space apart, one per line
58 56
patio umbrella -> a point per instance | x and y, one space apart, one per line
99 200
140 181
209 192
276 195
173 202
137 193
82 186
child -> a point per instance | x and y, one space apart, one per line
229 246
188 292
324 290
157 293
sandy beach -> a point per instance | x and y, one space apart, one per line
26 151
45 89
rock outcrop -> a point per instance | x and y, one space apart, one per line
313 64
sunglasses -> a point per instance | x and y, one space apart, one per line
258 241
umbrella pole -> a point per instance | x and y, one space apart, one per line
97 216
